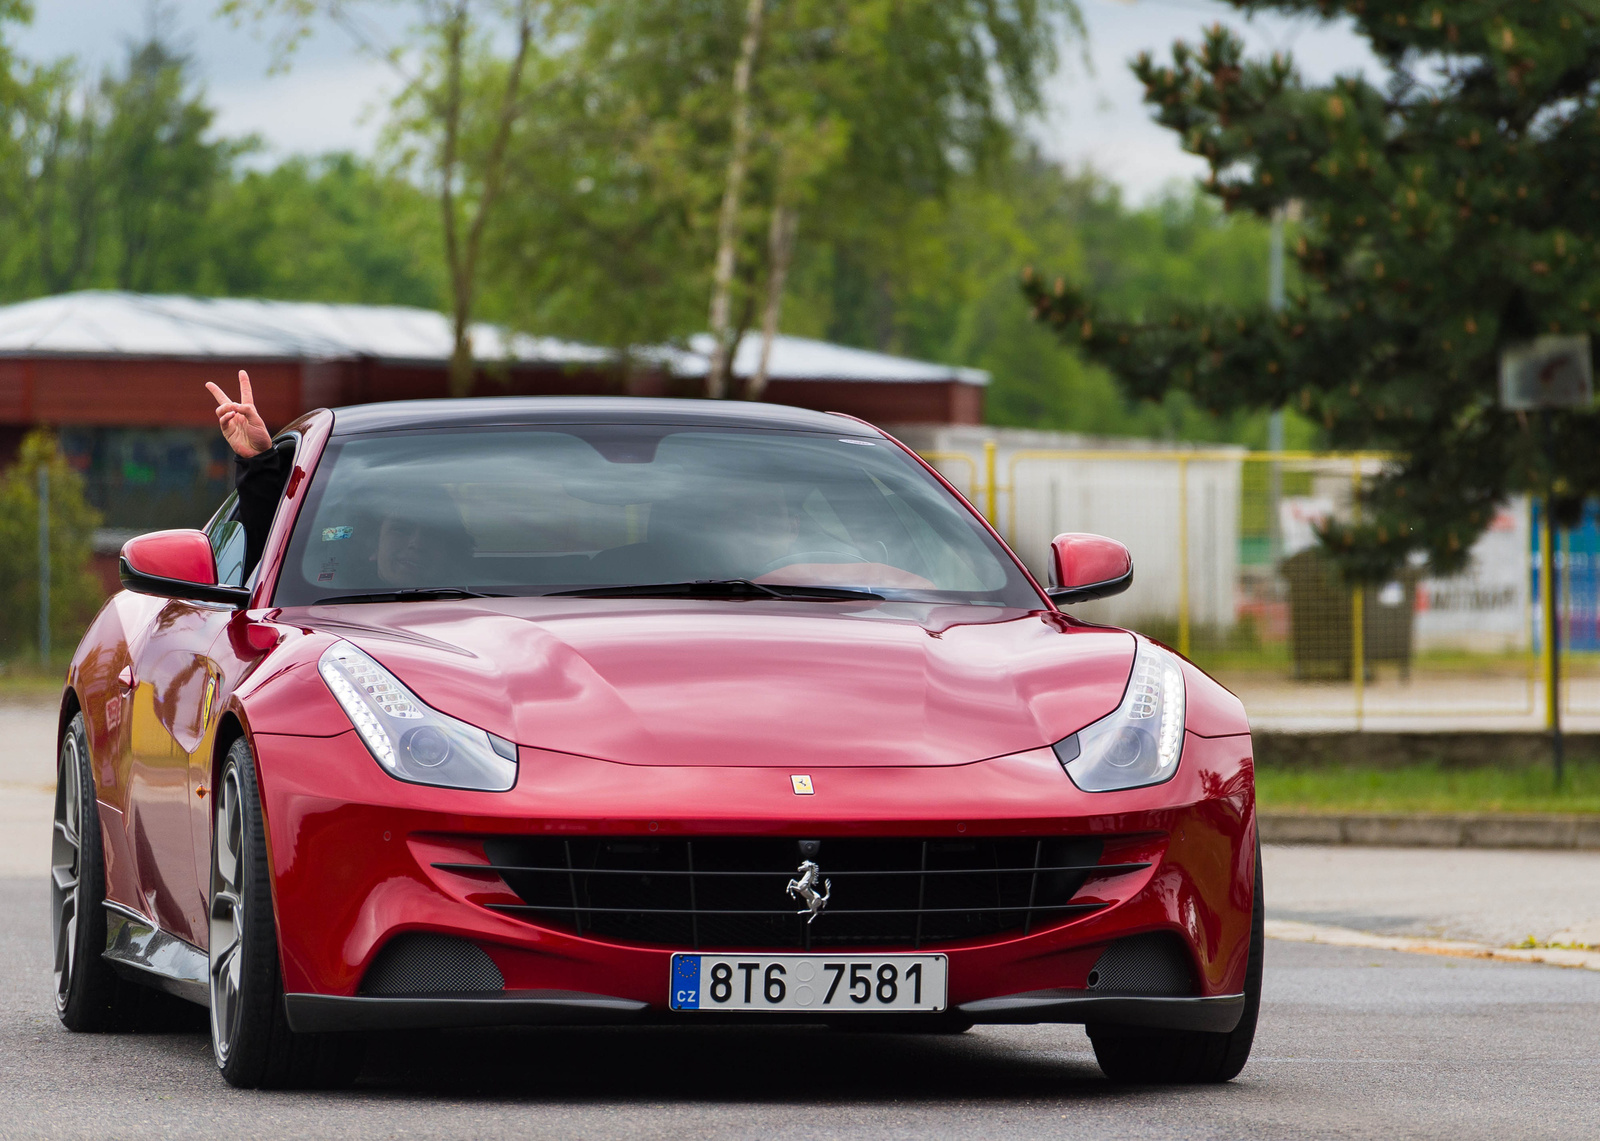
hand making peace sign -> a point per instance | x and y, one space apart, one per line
241 424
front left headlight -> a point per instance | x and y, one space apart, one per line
410 740
1140 743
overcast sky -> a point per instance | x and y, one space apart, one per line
333 98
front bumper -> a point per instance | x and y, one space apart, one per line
312 1013
353 855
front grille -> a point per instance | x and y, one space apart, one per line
731 893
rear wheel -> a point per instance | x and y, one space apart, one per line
86 988
1167 1057
250 1033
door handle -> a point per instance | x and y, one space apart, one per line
125 677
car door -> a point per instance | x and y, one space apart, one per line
172 714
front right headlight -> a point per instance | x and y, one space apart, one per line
410 740
1140 743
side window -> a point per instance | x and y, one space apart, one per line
227 542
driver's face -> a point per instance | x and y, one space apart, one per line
401 551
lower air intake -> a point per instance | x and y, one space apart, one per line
431 964
1153 965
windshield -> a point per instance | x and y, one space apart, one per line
550 509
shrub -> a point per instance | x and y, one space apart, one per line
75 592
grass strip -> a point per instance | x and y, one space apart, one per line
27 679
1427 788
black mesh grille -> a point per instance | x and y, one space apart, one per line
418 963
1153 965
731 893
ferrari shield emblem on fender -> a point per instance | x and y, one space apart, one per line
805 889
802 785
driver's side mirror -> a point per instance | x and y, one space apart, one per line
176 564
1086 567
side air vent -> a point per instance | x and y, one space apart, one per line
1156 965
431 964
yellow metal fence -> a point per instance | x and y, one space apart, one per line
1227 570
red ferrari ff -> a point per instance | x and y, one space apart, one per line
533 711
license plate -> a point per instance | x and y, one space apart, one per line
836 984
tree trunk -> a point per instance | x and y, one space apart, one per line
780 248
728 221
460 288
462 254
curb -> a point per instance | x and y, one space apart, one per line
1293 932
1434 830
1382 749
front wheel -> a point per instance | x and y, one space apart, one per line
86 989
250 1034
1169 1057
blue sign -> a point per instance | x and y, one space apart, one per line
1578 564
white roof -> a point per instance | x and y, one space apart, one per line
104 323
801 358
113 324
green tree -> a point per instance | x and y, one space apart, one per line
109 183
123 183
939 282
462 103
1450 214
75 592
159 169
857 112
333 228
44 182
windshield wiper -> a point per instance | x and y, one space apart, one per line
720 588
411 594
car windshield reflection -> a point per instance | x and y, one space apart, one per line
647 510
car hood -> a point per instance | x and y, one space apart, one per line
768 683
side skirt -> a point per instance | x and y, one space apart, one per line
1218 1014
141 952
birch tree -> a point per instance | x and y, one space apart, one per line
728 219
464 66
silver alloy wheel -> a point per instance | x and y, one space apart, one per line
65 869
226 929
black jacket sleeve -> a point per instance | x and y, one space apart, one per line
260 482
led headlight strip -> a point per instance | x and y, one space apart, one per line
1140 742
410 740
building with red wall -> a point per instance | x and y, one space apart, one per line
121 377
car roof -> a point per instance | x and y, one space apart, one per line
503 410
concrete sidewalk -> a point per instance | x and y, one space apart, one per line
27 786
28 743
1498 898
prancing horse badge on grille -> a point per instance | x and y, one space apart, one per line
805 889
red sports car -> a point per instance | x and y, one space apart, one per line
609 710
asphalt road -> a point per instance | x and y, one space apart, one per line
1353 1043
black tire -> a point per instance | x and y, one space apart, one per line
250 1035
88 992
1170 1057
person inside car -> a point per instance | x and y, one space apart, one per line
408 535
260 470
